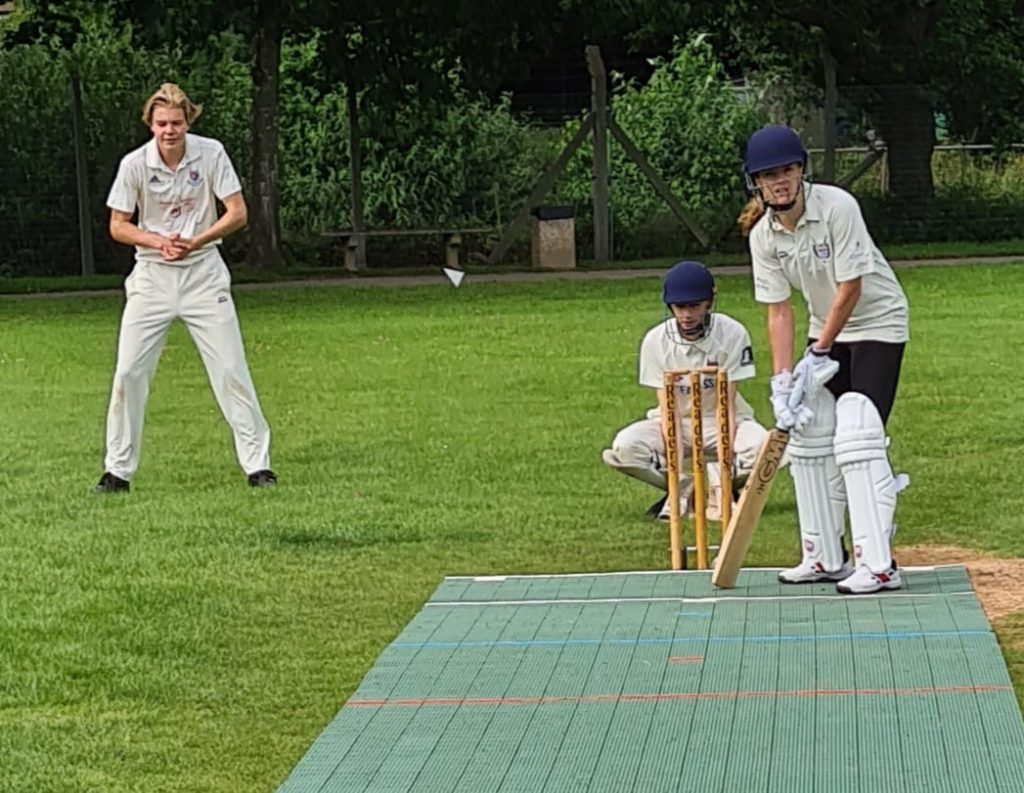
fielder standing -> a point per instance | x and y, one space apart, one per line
694 336
174 182
813 238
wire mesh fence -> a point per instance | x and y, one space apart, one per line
471 163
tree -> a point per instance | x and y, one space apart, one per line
386 52
268 32
917 57
377 49
190 27
62 23
901 61
890 56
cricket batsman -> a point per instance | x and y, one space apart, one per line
813 238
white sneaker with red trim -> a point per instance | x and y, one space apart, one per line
811 571
864 582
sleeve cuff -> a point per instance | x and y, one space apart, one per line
742 373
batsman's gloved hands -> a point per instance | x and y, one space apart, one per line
812 372
791 413
782 390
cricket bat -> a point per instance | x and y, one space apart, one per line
740 531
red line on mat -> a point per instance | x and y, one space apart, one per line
686 659
669 697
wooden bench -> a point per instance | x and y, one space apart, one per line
351 239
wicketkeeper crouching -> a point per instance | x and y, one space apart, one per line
693 336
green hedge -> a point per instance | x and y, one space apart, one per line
470 161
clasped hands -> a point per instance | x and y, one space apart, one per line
175 247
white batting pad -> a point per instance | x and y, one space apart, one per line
820 493
860 446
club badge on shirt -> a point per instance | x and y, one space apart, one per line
822 250
194 177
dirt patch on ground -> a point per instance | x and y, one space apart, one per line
998 582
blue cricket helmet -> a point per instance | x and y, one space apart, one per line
688 282
773 146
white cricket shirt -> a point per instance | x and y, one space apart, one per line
830 244
727 345
174 201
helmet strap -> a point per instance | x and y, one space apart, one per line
699 331
778 208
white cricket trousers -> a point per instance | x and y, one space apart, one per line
642 444
200 295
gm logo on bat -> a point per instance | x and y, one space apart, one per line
769 467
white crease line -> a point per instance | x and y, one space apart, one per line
734 599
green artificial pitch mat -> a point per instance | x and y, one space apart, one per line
660 682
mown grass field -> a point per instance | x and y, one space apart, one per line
197 636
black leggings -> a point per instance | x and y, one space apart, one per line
870 367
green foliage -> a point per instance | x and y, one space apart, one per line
691 126
313 135
979 197
467 161
451 157
37 183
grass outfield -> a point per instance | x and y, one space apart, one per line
197 636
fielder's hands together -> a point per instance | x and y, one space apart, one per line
175 248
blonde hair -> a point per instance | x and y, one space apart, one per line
751 213
171 96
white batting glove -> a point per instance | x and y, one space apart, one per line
782 390
812 372
802 416
792 413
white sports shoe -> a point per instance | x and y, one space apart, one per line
813 572
864 582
